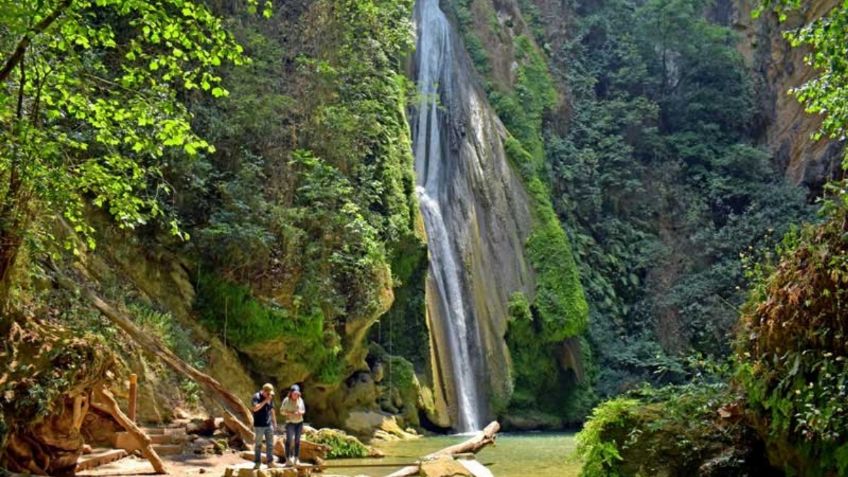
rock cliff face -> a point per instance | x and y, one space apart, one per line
785 127
477 216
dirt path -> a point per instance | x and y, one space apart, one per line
178 466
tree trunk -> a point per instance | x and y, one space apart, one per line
473 445
10 244
152 345
108 404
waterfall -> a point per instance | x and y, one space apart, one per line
434 63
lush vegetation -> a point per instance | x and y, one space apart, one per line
660 185
790 362
92 115
342 446
792 352
696 429
307 211
90 111
292 173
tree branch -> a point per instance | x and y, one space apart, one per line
20 111
24 42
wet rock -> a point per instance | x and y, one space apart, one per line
378 425
202 446
377 372
532 421
361 390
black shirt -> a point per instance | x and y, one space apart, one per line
262 417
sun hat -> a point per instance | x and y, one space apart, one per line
268 387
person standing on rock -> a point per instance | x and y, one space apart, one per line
264 424
293 409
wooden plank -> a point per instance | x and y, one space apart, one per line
99 457
133 399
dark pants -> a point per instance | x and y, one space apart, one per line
293 431
268 434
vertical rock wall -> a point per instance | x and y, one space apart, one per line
487 219
785 127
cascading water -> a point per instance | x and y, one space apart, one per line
434 63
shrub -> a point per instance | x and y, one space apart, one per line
342 446
695 429
793 352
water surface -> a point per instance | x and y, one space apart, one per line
514 455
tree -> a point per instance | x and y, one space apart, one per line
90 109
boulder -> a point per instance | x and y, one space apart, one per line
202 446
309 451
532 421
377 372
361 390
374 424
205 427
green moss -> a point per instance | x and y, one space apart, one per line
232 311
461 10
539 381
671 431
342 446
559 301
559 310
403 330
399 382
522 109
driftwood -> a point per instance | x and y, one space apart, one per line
473 445
153 346
108 404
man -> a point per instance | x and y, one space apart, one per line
293 409
264 423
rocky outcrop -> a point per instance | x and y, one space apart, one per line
785 127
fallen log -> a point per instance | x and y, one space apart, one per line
153 346
232 424
475 444
108 405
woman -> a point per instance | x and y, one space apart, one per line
293 409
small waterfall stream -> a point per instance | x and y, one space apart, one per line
434 62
